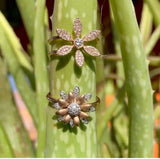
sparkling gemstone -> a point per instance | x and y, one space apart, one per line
76 91
92 109
56 106
60 118
63 95
78 43
87 96
71 123
74 109
85 121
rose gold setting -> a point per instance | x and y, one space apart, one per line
77 42
72 108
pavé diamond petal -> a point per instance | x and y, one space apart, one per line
76 91
63 95
56 106
92 50
64 34
64 50
79 58
87 96
92 35
77 26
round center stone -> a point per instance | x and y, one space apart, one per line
78 43
73 109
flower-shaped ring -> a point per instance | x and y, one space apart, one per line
72 108
78 42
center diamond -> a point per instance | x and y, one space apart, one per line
74 109
78 43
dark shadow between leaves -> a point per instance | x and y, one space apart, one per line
63 61
89 62
77 70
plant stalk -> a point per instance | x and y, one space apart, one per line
137 80
41 74
63 141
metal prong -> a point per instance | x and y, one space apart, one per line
51 100
53 52
52 39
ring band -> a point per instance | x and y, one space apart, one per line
52 39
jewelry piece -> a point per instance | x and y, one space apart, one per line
72 108
78 42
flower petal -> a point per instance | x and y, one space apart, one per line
80 100
85 107
67 118
62 111
83 115
64 50
70 97
91 36
64 34
63 103
79 58
76 120
77 26
92 50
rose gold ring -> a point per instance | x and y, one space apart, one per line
72 108
80 44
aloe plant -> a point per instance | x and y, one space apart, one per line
36 73
65 75
137 80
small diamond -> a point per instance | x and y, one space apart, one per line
78 43
56 106
87 96
92 109
63 95
74 109
71 123
76 91
85 121
60 118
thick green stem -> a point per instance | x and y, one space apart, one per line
65 75
137 80
41 74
